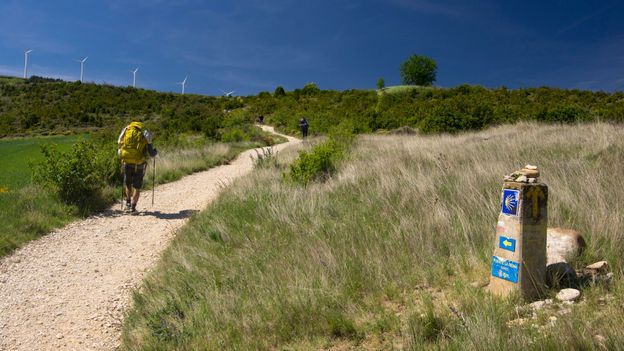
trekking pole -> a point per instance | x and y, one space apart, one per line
153 181
123 192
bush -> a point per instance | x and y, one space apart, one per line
317 165
320 163
564 114
449 121
233 135
79 175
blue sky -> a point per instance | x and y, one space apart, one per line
255 45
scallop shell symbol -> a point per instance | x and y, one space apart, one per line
511 202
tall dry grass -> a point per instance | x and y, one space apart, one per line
174 163
384 255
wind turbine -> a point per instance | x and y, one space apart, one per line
183 83
26 63
134 77
82 66
228 94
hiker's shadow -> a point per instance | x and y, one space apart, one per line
160 215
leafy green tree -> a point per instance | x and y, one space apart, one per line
381 83
419 70
279 91
310 88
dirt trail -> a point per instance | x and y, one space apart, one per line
68 290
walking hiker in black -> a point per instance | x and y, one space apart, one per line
303 125
135 147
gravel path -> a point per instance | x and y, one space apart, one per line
69 289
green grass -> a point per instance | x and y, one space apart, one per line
16 154
383 254
29 211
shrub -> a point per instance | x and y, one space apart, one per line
233 135
79 175
310 89
316 165
320 163
564 114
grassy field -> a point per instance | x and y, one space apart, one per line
389 253
15 155
28 211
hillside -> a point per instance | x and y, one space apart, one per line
435 110
44 106
390 253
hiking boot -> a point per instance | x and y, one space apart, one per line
128 207
133 210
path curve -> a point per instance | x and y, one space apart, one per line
69 289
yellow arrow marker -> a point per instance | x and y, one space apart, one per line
535 194
507 243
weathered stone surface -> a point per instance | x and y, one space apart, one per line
592 276
522 179
530 173
563 244
600 266
568 295
531 167
537 305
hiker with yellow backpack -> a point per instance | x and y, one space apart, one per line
134 148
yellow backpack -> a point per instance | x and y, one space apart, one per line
133 144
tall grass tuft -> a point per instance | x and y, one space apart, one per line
29 213
384 254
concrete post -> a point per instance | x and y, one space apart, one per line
519 260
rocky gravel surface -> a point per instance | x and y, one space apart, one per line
68 290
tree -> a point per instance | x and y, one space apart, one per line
418 70
381 83
279 91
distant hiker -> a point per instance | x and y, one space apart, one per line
303 125
261 119
134 148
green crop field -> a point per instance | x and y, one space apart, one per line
16 154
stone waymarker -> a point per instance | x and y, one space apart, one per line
519 260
